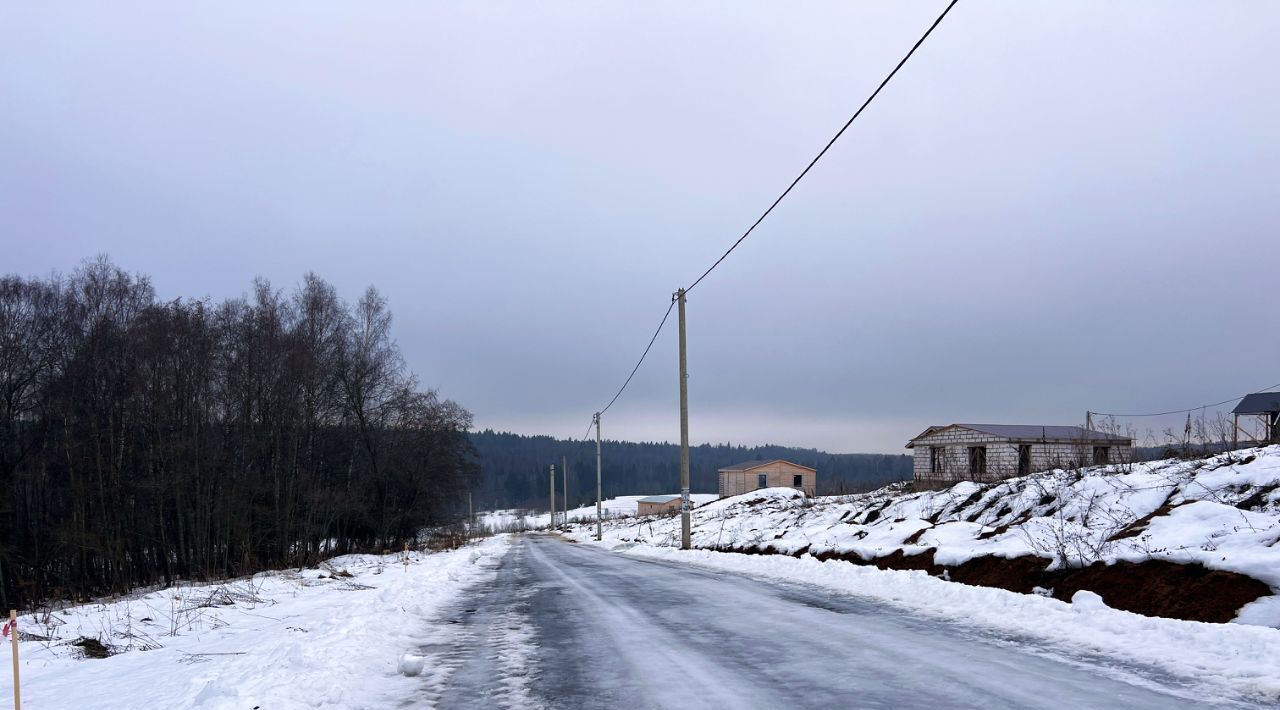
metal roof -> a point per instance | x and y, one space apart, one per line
1258 403
748 465
659 499
1032 432
745 465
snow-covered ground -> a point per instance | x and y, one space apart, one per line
311 639
620 507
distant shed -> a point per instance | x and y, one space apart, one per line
1265 406
657 505
775 473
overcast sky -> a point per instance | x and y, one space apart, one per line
1054 207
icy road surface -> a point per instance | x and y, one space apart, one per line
568 626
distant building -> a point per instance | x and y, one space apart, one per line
1264 405
990 452
657 505
751 475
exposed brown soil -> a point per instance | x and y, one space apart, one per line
1160 588
901 560
1017 574
92 648
915 536
994 532
1136 527
1258 499
1152 588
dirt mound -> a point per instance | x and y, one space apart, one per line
1159 588
1152 588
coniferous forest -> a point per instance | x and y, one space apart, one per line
144 441
515 468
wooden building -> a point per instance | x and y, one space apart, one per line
990 452
752 475
657 505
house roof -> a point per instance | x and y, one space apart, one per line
1258 403
659 499
1030 432
748 465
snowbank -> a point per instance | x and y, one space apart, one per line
334 636
1222 512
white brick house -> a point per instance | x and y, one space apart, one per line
990 452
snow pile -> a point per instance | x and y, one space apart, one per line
341 635
1222 512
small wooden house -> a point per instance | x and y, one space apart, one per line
657 505
990 452
752 475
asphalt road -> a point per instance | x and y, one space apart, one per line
569 626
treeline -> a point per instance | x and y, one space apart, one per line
145 441
515 468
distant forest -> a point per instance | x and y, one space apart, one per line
143 441
514 468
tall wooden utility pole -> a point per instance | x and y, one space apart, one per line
17 685
684 432
599 506
552 526
564 477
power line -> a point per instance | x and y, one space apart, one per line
1187 411
775 203
827 147
640 361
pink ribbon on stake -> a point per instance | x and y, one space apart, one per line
10 625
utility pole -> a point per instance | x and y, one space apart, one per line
599 507
17 686
552 526
684 431
564 476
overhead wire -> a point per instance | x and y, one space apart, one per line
827 147
639 362
775 203
1187 411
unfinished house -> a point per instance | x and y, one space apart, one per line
990 452
1265 406
750 475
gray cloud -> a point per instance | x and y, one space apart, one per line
1053 208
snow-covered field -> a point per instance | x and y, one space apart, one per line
309 639
620 507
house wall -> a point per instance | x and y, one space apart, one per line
779 474
1002 456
